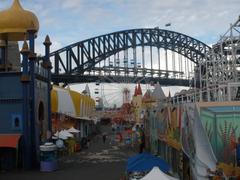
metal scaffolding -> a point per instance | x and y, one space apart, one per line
217 77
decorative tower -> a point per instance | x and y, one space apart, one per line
137 103
25 92
139 90
14 23
126 96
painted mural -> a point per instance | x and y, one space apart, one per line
197 136
222 125
187 132
207 135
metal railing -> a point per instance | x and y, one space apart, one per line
41 71
219 93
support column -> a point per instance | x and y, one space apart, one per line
173 64
143 62
135 60
200 81
25 79
47 65
166 62
151 59
159 63
34 129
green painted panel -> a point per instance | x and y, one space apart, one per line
222 126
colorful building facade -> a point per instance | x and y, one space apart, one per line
195 137
137 104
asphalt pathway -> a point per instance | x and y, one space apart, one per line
102 161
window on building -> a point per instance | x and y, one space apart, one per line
16 122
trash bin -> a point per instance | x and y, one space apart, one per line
48 157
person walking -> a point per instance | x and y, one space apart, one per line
88 143
238 152
141 141
120 137
104 136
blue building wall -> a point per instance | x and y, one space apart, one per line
11 85
11 103
11 112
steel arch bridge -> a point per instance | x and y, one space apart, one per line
78 62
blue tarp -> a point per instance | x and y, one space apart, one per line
136 157
145 162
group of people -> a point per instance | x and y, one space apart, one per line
112 139
139 135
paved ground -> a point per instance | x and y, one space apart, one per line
100 162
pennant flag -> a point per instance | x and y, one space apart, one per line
168 24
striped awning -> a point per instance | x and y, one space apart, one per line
70 103
63 102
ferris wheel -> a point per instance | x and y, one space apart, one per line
125 69
114 94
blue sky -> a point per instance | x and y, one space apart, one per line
69 21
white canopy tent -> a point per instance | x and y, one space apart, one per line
65 133
157 174
73 130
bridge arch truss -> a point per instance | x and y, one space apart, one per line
80 61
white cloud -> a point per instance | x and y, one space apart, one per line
202 19
71 4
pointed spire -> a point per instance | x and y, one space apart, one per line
158 92
147 94
87 90
136 90
25 48
47 41
16 5
169 94
139 89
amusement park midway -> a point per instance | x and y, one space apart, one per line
99 161
120 90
